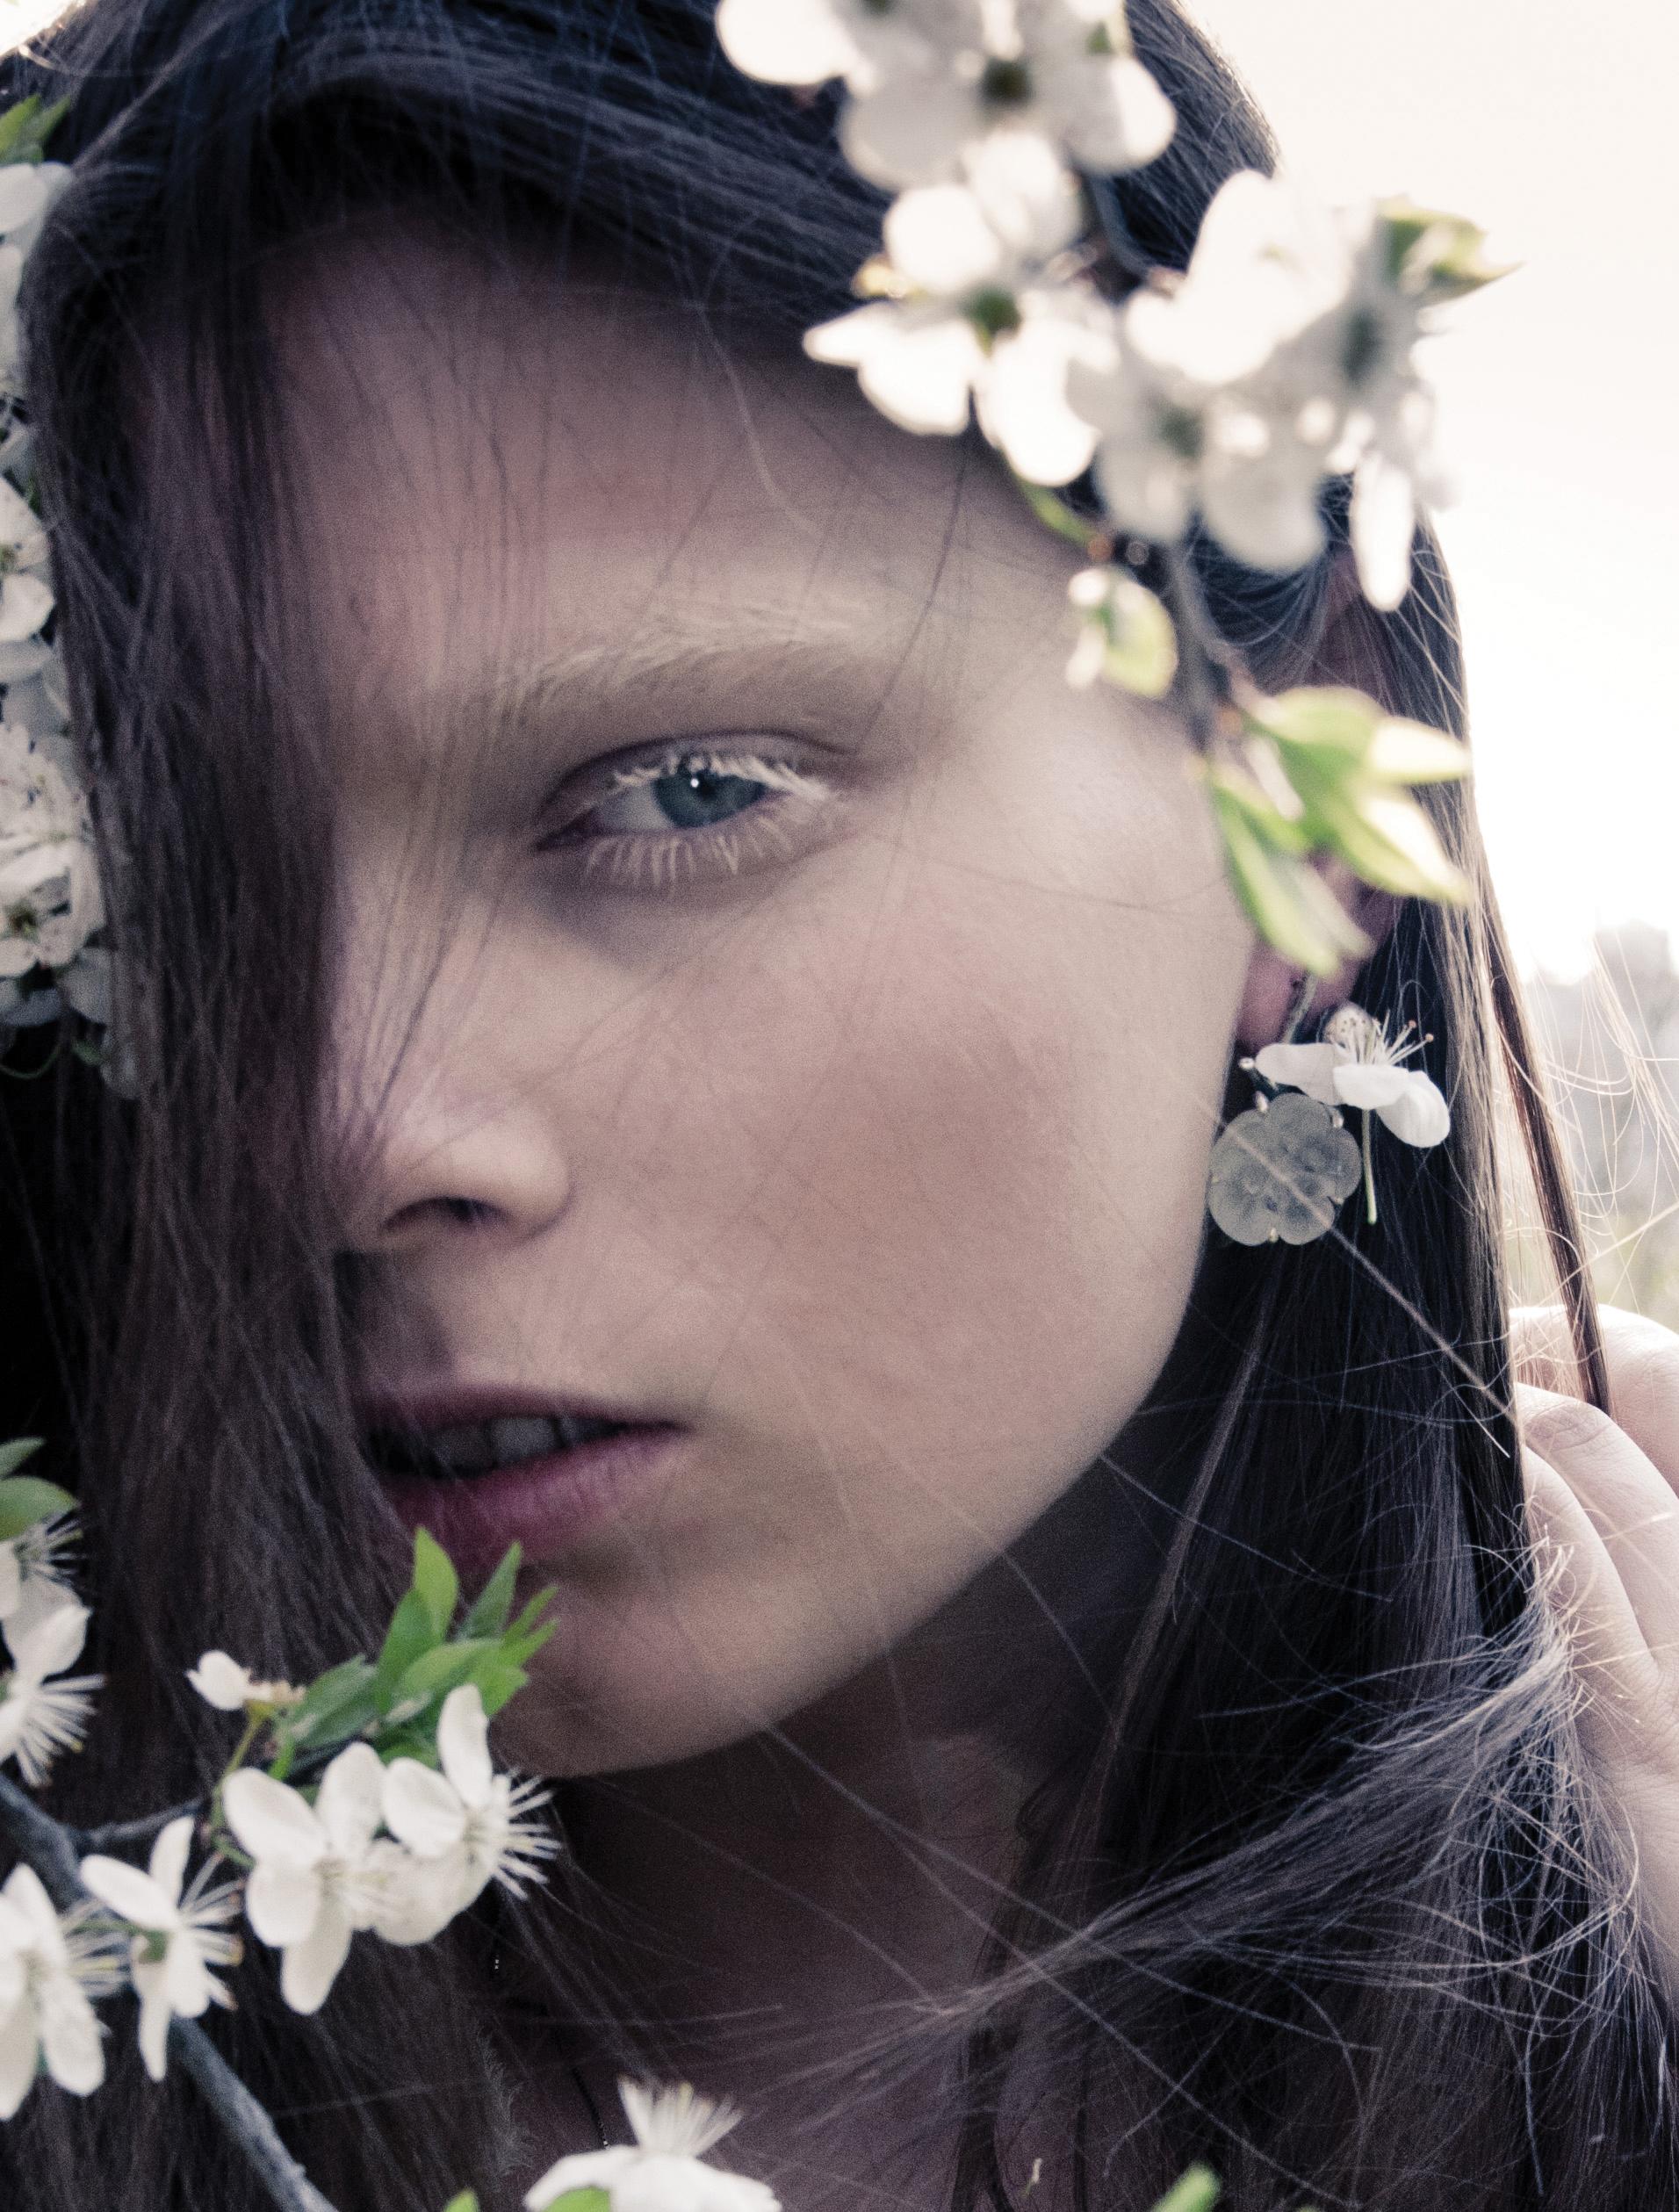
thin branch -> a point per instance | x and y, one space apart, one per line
116 1833
50 1848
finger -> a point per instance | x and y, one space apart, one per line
1607 1646
1630 1508
1643 1359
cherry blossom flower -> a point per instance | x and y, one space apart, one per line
1358 1065
27 191
221 1681
40 1717
662 2169
966 320
179 1936
25 596
474 1824
808 41
319 1875
51 901
50 1969
37 1558
1059 73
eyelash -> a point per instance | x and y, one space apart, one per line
635 860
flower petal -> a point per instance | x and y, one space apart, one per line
1420 1115
70 2037
1383 523
221 1681
309 1969
463 1744
348 1805
912 131
785 41
274 1823
283 1903
1307 1068
1369 1084
186 1976
422 1809
155 2015
169 1858
46 1630
19 2051
413 1899
131 1895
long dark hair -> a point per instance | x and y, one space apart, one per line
1325 1879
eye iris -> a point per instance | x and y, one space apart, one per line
694 798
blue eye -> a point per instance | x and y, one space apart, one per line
698 795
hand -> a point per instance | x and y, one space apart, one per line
1604 1502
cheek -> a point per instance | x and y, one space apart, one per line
931 1142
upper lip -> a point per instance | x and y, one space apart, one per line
424 1408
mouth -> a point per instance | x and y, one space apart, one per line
482 1468
466 1450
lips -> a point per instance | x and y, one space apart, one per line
483 1468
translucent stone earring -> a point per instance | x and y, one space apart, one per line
1280 1171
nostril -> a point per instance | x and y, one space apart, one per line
465 1212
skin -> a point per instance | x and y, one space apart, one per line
870 1148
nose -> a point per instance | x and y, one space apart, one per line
454 1147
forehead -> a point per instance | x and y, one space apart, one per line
493 460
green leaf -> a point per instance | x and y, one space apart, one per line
529 1629
1331 721
467 2202
489 1613
335 1707
1197 2190
1290 905
409 1634
1282 833
579 2200
1054 514
26 128
12 1455
25 1500
436 1672
499 1682
435 1583
1388 840
1141 654
1410 752
1435 257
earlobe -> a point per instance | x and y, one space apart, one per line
1269 993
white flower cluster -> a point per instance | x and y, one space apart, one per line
50 900
43 1627
1283 356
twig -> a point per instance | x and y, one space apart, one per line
1201 655
115 1833
50 1848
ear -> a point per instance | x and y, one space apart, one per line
1347 650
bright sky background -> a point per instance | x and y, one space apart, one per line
1553 126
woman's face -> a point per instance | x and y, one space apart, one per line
776 1012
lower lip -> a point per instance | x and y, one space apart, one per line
543 1505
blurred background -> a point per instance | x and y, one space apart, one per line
1552 128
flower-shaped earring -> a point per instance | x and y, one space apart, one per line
1280 1173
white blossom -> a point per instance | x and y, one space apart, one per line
1357 1064
474 1824
320 1875
27 191
808 41
1060 74
179 1936
662 2169
41 1716
969 322
25 596
51 1967
38 1557
221 1681
51 901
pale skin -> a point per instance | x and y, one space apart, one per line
871 1149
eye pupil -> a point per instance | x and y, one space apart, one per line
696 796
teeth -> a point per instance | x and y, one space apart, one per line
466 1450
523 1437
